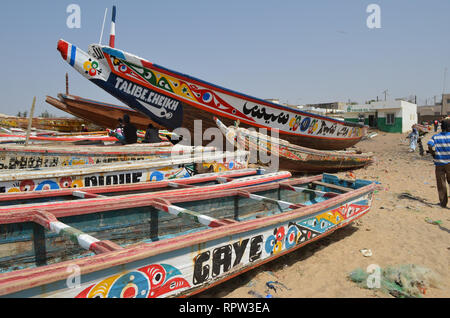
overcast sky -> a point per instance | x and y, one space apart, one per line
297 51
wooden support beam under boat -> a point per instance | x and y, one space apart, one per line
300 189
332 186
166 206
281 204
50 222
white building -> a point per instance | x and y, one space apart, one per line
389 116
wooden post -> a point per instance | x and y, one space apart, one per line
67 84
30 120
40 252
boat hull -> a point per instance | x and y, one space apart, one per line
175 100
56 124
292 157
101 114
191 263
127 172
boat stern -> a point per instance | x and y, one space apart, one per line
86 64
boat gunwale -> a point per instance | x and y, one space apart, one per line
33 277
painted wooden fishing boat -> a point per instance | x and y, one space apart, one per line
222 180
174 100
101 114
125 172
15 138
171 244
292 157
38 156
58 124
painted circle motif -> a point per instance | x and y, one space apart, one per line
26 185
65 182
147 75
291 237
47 185
123 68
77 184
270 244
207 97
130 285
280 233
305 123
231 165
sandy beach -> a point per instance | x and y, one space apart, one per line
394 230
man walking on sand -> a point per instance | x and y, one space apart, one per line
439 147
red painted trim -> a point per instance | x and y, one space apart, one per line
63 48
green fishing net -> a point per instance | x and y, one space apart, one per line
403 281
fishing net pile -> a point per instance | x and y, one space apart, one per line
404 281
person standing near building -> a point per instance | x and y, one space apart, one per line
436 124
439 147
413 137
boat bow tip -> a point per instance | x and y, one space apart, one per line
63 48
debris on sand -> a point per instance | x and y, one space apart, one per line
404 281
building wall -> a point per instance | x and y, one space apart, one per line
409 116
404 114
397 126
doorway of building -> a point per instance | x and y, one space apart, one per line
372 121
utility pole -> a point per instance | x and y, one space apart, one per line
443 91
385 93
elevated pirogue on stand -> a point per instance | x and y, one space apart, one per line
173 100
102 114
174 243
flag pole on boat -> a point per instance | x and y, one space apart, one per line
103 27
112 35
